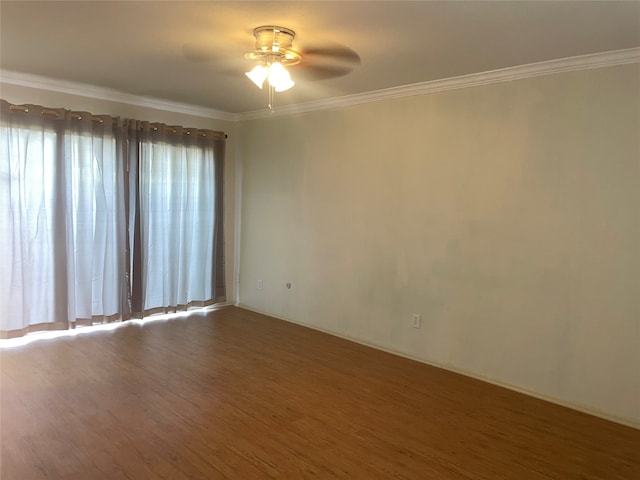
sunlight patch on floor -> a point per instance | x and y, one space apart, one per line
90 329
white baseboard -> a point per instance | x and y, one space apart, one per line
629 422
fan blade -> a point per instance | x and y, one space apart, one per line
334 53
322 62
198 53
322 72
213 60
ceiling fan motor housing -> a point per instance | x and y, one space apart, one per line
274 44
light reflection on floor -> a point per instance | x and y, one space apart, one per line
89 329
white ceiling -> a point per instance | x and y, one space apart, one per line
192 52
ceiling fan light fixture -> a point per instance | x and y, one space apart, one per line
283 86
273 52
279 78
258 75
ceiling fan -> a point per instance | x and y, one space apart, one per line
273 55
274 52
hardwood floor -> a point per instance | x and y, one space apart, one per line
233 394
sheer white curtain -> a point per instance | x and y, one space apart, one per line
96 219
178 218
31 275
62 219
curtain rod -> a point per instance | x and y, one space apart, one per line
78 116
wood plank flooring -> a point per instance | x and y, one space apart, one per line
235 395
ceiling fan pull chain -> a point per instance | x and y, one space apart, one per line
271 98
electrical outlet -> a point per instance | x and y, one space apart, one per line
416 319
288 285
260 284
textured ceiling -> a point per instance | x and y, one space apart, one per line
192 52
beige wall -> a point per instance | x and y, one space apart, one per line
21 95
506 215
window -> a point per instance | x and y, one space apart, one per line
102 218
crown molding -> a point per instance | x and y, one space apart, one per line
582 62
84 90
